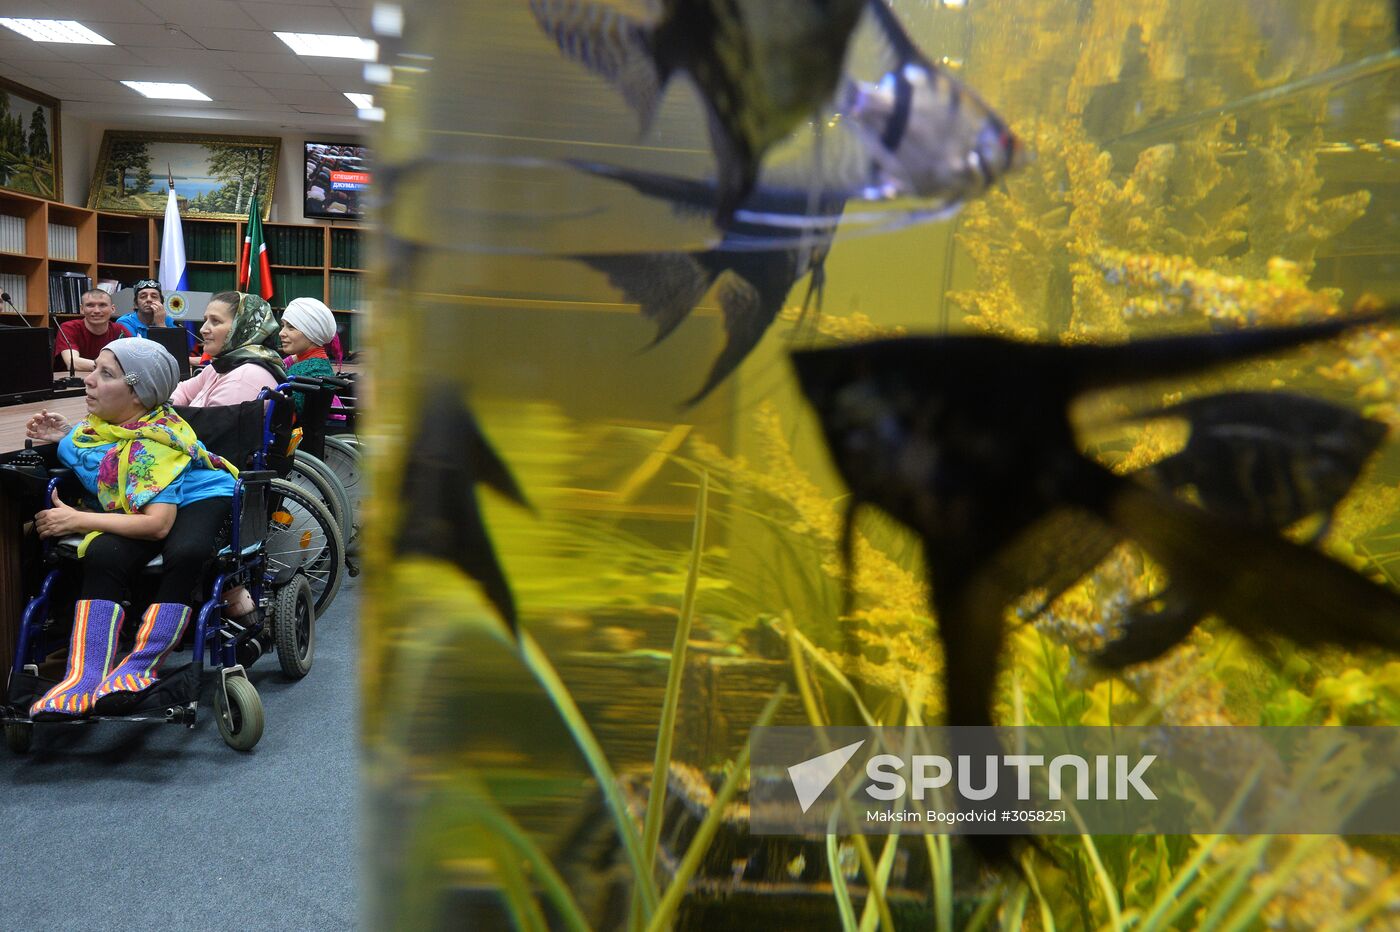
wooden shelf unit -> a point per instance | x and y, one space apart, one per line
324 262
31 265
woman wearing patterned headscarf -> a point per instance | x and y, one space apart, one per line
158 491
240 336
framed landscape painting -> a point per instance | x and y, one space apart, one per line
30 154
215 176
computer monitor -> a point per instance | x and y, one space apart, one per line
27 374
176 341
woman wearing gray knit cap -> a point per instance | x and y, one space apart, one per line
156 490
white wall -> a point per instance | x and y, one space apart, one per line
82 140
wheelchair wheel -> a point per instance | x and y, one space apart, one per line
240 713
294 627
312 542
19 736
342 456
316 477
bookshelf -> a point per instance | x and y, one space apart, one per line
345 280
43 242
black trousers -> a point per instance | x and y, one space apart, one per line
112 561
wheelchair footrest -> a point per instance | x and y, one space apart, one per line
176 687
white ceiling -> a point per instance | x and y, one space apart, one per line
226 48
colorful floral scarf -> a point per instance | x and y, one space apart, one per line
148 455
252 338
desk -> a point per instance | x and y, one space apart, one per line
13 417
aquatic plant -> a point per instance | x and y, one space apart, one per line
889 621
456 803
1177 287
1226 193
1211 679
846 327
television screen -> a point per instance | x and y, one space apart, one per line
337 175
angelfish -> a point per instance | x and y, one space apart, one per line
442 519
967 441
761 66
1268 459
753 267
927 135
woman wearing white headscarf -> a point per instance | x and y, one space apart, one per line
157 491
307 326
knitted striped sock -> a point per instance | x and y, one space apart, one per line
160 631
96 624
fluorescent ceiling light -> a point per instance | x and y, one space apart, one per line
375 73
362 101
387 20
162 91
310 44
54 30
372 114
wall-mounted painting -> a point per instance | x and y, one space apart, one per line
30 154
215 176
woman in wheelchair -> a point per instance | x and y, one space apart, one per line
240 337
161 492
307 327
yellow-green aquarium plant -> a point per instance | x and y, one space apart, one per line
575 755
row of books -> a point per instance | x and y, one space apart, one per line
210 279
17 288
208 242
63 242
287 286
12 238
346 291
123 247
345 249
294 245
66 292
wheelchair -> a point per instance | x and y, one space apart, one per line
327 466
262 553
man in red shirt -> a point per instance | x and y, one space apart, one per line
83 339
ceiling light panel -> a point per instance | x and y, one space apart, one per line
54 30
162 91
318 46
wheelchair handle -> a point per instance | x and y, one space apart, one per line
319 383
298 384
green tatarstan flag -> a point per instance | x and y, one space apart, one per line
254 270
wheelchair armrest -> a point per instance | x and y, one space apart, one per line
249 477
66 480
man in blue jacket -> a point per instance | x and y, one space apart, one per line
150 307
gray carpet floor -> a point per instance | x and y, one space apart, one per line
153 826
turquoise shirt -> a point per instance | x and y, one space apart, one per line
133 323
192 485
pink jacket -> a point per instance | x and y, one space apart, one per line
211 388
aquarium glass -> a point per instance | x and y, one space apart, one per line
1197 167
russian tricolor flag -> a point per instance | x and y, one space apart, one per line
172 248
